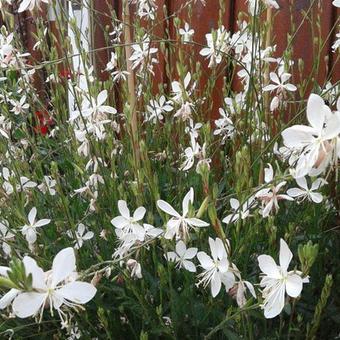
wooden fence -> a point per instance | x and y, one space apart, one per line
291 15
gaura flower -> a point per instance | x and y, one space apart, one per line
316 143
277 281
179 224
186 33
304 192
30 230
80 235
217 269
280 83
270 197
54 288
239 211
182 256
127 223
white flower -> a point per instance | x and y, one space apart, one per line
25 183
270 196
239 212
54 288
5 236
280 84
277 281
30 230
127 223
112 64
135 268
143 54
179 224
316 143
94 107
157 108
19 106
224 125
218 46
80 235
48 185
181 92
186 32
217 268
190 153
30 4
304 192
182 256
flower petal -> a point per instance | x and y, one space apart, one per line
63 265
139 214
167 208
188 265
28 304
294 285
123 209
205 260
215 284
78 292
315 112
180 248
268 266
285 255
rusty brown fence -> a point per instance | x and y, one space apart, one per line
294 23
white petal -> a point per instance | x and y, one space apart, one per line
64 264
274 78
196 222
3 271
7 299
31 215
42 222
188 198
180 248
205 260
316 197
294 285
119 222
215 284
302 182
268 174
167 208
28 304
268 266
38 276
220 249
190 253
188 265
275 303
315 112
250 288
285 255
123 209
234 203
24 5
333 126
298 136
228 280
78 292
139 214
296 192
102 96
